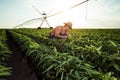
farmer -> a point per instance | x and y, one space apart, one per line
61 32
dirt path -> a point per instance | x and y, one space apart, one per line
20 68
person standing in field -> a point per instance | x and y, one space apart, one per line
61 32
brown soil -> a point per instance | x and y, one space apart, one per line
21 69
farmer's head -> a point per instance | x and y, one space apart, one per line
68 24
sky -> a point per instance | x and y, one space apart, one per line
92 14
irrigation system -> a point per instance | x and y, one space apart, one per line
45 15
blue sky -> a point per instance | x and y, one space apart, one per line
93 14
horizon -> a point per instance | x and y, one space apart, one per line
93 14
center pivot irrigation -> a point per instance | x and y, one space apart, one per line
45 16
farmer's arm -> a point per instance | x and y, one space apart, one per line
57 33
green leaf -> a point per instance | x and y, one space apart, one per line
48 69
77 74
113 43
62 76
117 66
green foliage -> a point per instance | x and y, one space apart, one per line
4 71
4 54
87 54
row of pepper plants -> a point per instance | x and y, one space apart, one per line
100 48
51 64
4 54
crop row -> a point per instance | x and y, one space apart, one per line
100 59
97 49
107 42
4 54
54 65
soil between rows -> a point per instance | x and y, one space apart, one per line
21 70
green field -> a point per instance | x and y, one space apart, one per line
87 54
